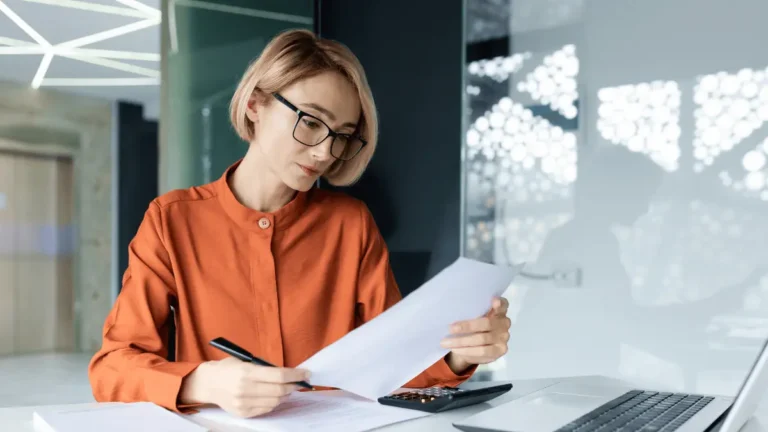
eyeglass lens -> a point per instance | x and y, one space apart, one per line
311 132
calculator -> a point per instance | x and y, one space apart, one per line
439 399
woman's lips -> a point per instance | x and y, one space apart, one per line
308 170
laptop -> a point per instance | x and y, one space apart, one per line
587 405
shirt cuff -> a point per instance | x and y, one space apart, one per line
454 380
162 384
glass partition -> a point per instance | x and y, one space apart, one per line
619 149
207 45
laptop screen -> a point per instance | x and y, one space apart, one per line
750 394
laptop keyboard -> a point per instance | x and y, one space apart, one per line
639 410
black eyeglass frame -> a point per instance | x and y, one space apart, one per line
301 114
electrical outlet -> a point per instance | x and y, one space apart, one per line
567 278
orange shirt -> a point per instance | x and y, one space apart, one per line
282 285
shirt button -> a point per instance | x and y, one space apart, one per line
264 223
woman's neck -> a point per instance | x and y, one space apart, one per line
257 187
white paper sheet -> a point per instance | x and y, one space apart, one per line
388 351
327 411
117 417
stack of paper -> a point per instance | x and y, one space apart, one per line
327 411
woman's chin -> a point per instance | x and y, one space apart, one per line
301 184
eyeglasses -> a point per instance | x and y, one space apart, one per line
311 131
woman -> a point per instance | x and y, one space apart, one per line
262 258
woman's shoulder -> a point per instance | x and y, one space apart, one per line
340 203
336 199
188 195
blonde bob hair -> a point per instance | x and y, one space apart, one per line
295 55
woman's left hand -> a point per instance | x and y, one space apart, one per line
479 341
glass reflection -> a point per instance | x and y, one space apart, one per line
648 176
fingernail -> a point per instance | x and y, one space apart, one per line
455 328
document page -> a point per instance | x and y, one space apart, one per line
385 353
322 411
114 417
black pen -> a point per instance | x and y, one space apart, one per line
237 352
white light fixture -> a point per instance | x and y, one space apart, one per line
109 34
46 46
645 118
754 180
15 42
42 70
23 25
730 111
95 7
23 50
121 55
511 138
554 82
78 52
112 64
73 48
100 82
150 11
498 68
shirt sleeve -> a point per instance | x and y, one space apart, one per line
132 364
378 291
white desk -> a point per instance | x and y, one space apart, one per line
19 419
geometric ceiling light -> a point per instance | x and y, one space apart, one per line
510 135
141 7
645 118
729 109
135 9
498 68
554 82
754 180
76 49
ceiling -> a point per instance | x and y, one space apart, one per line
102 48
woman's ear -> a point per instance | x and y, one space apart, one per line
251 111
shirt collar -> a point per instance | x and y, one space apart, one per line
253 219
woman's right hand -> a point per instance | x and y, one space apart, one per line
240 388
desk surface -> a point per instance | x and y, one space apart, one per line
19 419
